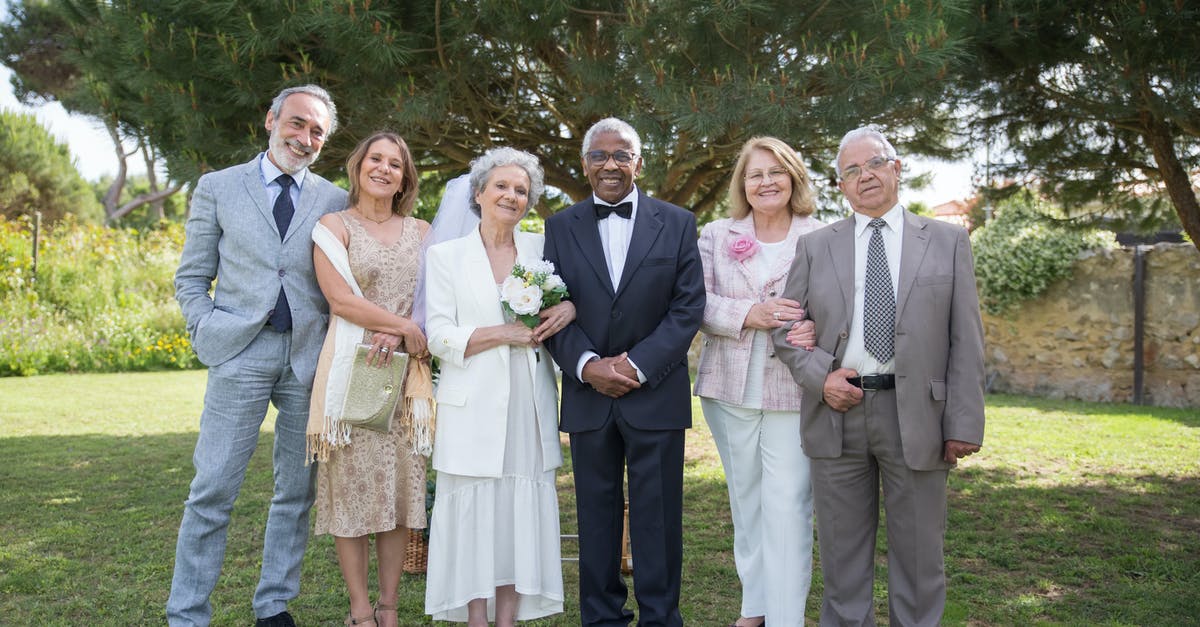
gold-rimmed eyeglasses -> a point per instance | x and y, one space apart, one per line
874 164
759 177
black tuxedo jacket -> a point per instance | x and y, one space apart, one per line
653 314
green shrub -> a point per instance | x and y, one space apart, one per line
1022 251
102 300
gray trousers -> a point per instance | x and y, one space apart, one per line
846 491
235 404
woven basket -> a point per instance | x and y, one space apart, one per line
416 552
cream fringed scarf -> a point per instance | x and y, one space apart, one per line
325 431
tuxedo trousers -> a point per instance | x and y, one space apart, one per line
654 461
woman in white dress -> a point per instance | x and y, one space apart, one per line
494 535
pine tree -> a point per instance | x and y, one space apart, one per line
456 77
1099 102
37 173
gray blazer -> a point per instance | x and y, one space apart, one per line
232 238
939 337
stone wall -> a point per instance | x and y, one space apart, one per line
1076 341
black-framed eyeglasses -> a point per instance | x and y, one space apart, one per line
601 157
874 164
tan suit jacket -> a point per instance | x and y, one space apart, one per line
939 337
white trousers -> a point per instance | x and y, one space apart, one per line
770 495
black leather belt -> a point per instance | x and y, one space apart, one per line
873 381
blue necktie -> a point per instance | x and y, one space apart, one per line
280 318
624 210
879 301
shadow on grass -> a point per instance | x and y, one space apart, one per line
89 526
1122 552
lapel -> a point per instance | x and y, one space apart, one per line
841 252
646 226
587 237
737 228
480 284
257 193
913 245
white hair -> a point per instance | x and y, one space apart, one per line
482 166
869 131
612 125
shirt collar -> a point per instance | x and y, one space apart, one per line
270 172
892 217
631 197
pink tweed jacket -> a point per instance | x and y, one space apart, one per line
731 290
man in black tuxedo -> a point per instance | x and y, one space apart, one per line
633 269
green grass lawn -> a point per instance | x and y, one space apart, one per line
1073 514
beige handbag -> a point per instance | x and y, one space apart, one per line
373 392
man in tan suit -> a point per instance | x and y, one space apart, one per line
893 388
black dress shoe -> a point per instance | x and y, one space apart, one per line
282 619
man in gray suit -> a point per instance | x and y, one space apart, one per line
893 388
259 332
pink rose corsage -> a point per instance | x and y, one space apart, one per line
743 247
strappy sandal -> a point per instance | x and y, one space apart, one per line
352 621
380 607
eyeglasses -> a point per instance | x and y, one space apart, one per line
874 164
758 177
601 157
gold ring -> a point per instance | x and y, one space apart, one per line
775 315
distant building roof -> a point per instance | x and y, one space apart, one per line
956 211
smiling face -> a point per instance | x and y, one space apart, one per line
611 181
298 134
504 197
381 173
768 184
874 192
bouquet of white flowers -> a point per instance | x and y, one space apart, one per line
531 289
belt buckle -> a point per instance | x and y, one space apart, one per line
871 382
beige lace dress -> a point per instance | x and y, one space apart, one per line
377 483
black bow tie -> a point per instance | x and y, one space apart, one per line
624 210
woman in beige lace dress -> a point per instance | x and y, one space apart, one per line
371 482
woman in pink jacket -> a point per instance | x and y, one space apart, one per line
750 401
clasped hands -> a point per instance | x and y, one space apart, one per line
613 376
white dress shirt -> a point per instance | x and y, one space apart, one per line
856 356
615 234
270 172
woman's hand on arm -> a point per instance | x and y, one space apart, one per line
554 319
773 313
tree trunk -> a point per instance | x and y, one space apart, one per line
144 199
152 177
113 196
1174 176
